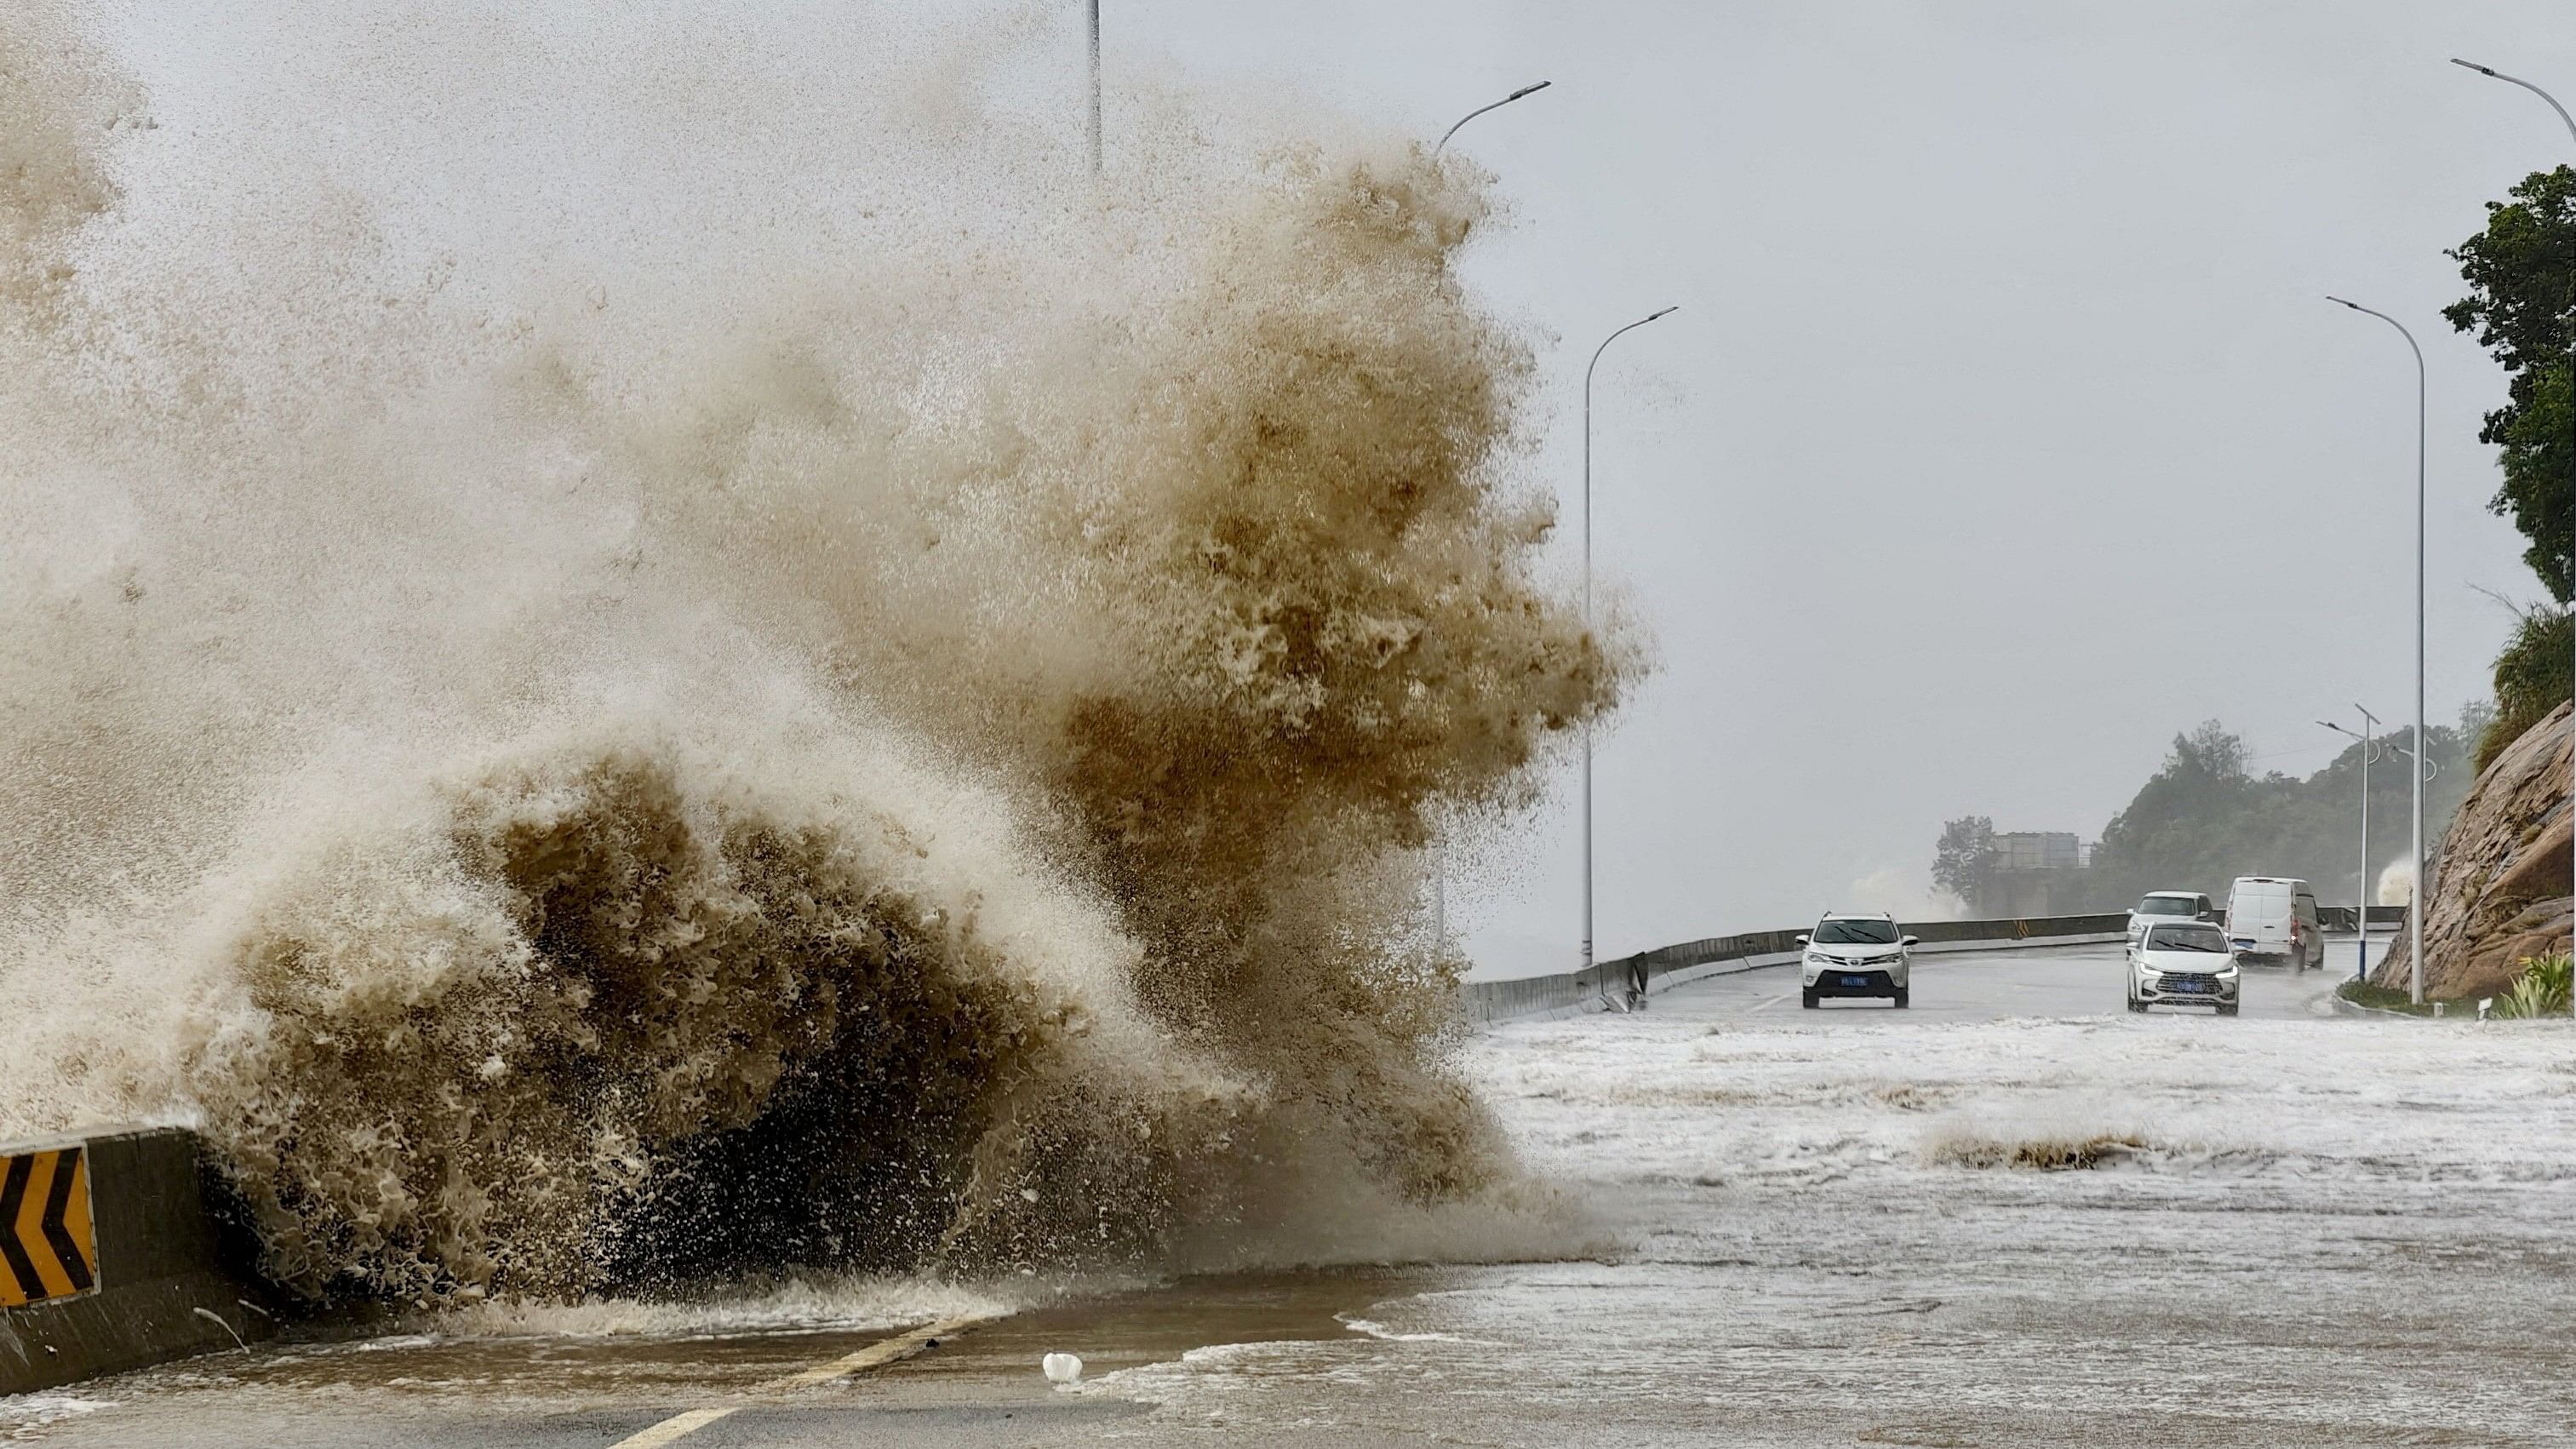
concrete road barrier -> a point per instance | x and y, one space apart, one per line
110 1259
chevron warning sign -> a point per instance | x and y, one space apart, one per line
47 1247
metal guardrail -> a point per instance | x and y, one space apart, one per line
2340 918
1489 1001
1480 1002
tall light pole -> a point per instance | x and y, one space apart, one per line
1095 87
2423 891
1480 110
2494 74
2361 913
1439 863
1636 992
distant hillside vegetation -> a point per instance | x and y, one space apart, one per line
2204 820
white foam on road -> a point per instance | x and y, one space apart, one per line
2066 1229
23 1415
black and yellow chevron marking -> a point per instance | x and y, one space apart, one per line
47 1246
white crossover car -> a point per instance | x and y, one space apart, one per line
2183 963
1853 955
2157 906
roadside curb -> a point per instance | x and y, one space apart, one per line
2337 1005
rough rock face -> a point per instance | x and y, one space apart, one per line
2500 883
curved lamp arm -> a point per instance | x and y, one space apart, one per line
2495 74
1480 110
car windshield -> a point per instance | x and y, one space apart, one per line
2187 938
2168 906
1831 932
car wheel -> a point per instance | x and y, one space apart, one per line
1903 995
2228 1010
2137 1006
1807 999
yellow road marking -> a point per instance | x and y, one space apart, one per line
671 1430
876 1355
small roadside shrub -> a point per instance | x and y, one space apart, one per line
2541 989
2531 679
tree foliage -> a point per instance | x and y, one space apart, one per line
1965 862
2205 819
2531 677
2521 272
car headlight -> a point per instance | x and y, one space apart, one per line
1815 958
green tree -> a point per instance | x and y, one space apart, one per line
1964 862
2204 820
2521 273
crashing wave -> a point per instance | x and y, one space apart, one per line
816 709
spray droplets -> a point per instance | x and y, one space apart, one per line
884 718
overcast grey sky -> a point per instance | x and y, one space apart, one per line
2001 401
2002 405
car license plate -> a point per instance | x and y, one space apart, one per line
2191 986
1855 981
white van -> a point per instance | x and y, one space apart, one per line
2275 919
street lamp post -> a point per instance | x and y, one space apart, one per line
1095 87
2422 891
2361 913
1480 110
1636 989
2494 74
1439 865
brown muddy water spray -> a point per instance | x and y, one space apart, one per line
637 657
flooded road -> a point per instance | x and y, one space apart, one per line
2013 1215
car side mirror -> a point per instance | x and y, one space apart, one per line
1802 940
1913 940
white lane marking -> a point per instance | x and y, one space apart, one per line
876 1355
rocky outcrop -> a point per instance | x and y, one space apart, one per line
2500 883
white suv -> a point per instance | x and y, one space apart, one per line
1853 955
2157 906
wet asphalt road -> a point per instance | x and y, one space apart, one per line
2011 1215
2047 981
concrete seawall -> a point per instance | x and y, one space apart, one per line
110 1259
1669 966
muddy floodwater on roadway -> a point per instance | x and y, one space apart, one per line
2006 1217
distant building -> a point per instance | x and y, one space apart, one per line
2039 850
2037 873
